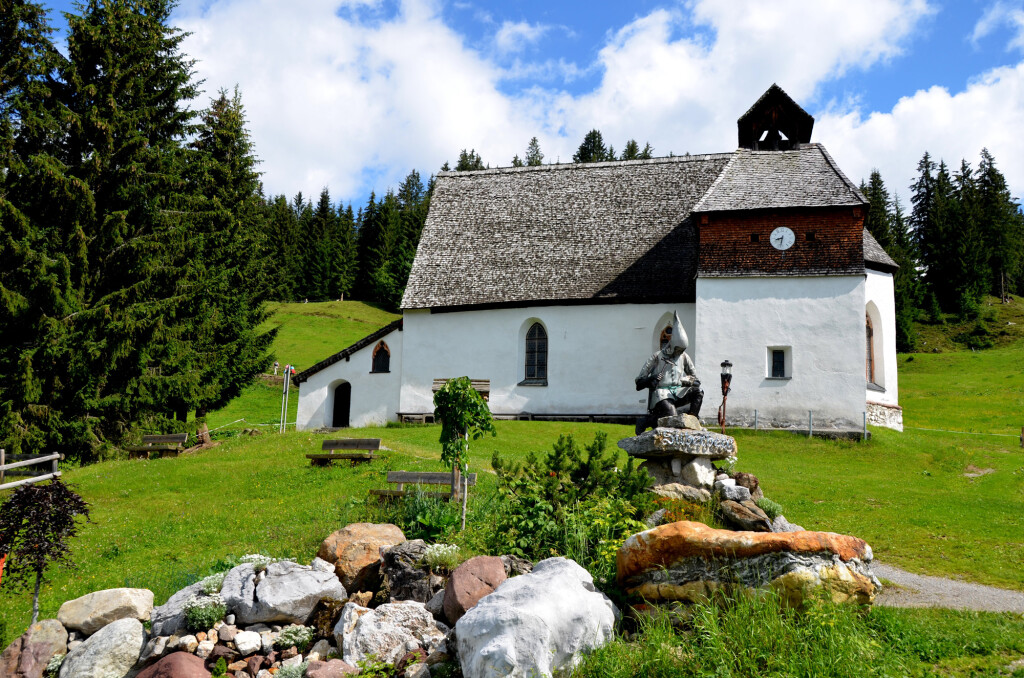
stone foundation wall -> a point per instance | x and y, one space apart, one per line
889 416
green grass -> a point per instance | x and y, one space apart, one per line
308 333
1004 321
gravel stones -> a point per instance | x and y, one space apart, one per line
95 610
471 581
536 623
111 652
675 442
688 561
354 551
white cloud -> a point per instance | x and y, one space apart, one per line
516 36
998 14
353 104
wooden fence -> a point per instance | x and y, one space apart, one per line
23 462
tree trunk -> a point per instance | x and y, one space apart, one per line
456 482
204 430
35 597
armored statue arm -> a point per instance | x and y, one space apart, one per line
647 377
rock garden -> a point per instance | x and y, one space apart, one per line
575 553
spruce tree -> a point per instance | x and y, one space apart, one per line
592 149
631 150
1002 228
906 281
647 153
877 220
469 161
533 155
282 246
968 258
517 161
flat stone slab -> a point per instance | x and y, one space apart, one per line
675 442
681 421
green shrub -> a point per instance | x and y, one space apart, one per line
53 666
258 560
442 556
201 613
372 667
213 583
296 671
772 509
220 668
294 634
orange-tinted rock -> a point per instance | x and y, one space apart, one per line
354 551
471 581
688 561
176 665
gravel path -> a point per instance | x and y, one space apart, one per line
917 590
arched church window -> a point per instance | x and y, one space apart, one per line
869 362
666 336
381 358
536 353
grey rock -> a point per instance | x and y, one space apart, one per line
535 624
780 524
401 569
656 518
699 473
680 491
514 565
187 643
435 606
674 442
155 648
248 642
745 515
386 631
733 493
286 592
687 421
169 618
72 644
111 652
95 610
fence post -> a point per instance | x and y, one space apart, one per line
810 424
3 460
865 437
755 421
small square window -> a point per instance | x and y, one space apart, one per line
755 237
811 236
780 363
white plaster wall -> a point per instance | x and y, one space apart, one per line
374 395
594 353
878 290
821 319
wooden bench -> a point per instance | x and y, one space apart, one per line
403 478
170 445
327 456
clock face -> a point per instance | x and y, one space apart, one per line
783 238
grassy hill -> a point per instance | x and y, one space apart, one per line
161 524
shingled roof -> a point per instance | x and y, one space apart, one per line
614 231
875 257
806 177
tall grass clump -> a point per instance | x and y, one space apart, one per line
751 635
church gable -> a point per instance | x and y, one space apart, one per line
775 122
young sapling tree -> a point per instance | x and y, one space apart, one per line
36 523
463 414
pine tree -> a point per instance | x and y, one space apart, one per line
969 260
320 249
469 161
1002 228
906 281
877 221
366 245
631 151
282 241
517 161
592 149
647 153
533 155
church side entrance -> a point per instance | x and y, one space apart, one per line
342 405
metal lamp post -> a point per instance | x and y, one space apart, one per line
726 387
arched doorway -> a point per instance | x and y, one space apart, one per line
342 405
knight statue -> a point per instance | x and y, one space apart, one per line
671 380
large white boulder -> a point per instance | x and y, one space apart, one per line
389 631
93 611
536 623
285 591
111 652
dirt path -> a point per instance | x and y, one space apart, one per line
917 590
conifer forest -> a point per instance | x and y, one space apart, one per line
139 249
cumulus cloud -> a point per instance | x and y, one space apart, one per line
354 94
516 36
999 14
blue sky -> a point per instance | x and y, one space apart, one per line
352 95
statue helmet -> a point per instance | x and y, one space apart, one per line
679 338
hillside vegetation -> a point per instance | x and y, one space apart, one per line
164 523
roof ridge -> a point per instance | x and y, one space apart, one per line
842 175
667 159
699 207
305 374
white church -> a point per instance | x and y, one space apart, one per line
550 287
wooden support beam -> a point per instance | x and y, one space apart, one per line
29 481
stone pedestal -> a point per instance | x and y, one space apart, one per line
680 451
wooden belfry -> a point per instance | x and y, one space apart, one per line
775 123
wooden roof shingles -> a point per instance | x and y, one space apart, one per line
562 233
875 257
806 177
